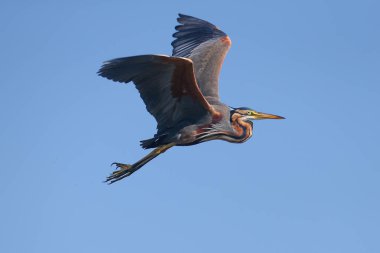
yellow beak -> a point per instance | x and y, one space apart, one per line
261 115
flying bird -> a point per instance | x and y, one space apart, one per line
182 92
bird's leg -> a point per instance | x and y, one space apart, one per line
125 170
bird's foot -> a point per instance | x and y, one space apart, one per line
123 170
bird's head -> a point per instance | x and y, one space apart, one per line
245 113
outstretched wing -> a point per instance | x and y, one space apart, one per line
206 46
166 84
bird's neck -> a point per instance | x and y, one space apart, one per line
242 128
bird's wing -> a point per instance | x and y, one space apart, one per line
206 46
166 84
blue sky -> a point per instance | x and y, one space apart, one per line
309 183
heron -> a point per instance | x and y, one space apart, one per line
182 92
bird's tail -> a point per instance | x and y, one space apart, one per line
154 142
149 143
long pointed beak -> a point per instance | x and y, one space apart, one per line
261 115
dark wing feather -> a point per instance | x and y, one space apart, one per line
192 33
166 84
206 46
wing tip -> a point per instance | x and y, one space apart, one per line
226 40
107 70
191 32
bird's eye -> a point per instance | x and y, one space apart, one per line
249 113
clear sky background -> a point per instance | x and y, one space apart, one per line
309 183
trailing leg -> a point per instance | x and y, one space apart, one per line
125 170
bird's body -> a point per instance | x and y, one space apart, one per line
181 92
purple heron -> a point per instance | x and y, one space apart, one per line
181 92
